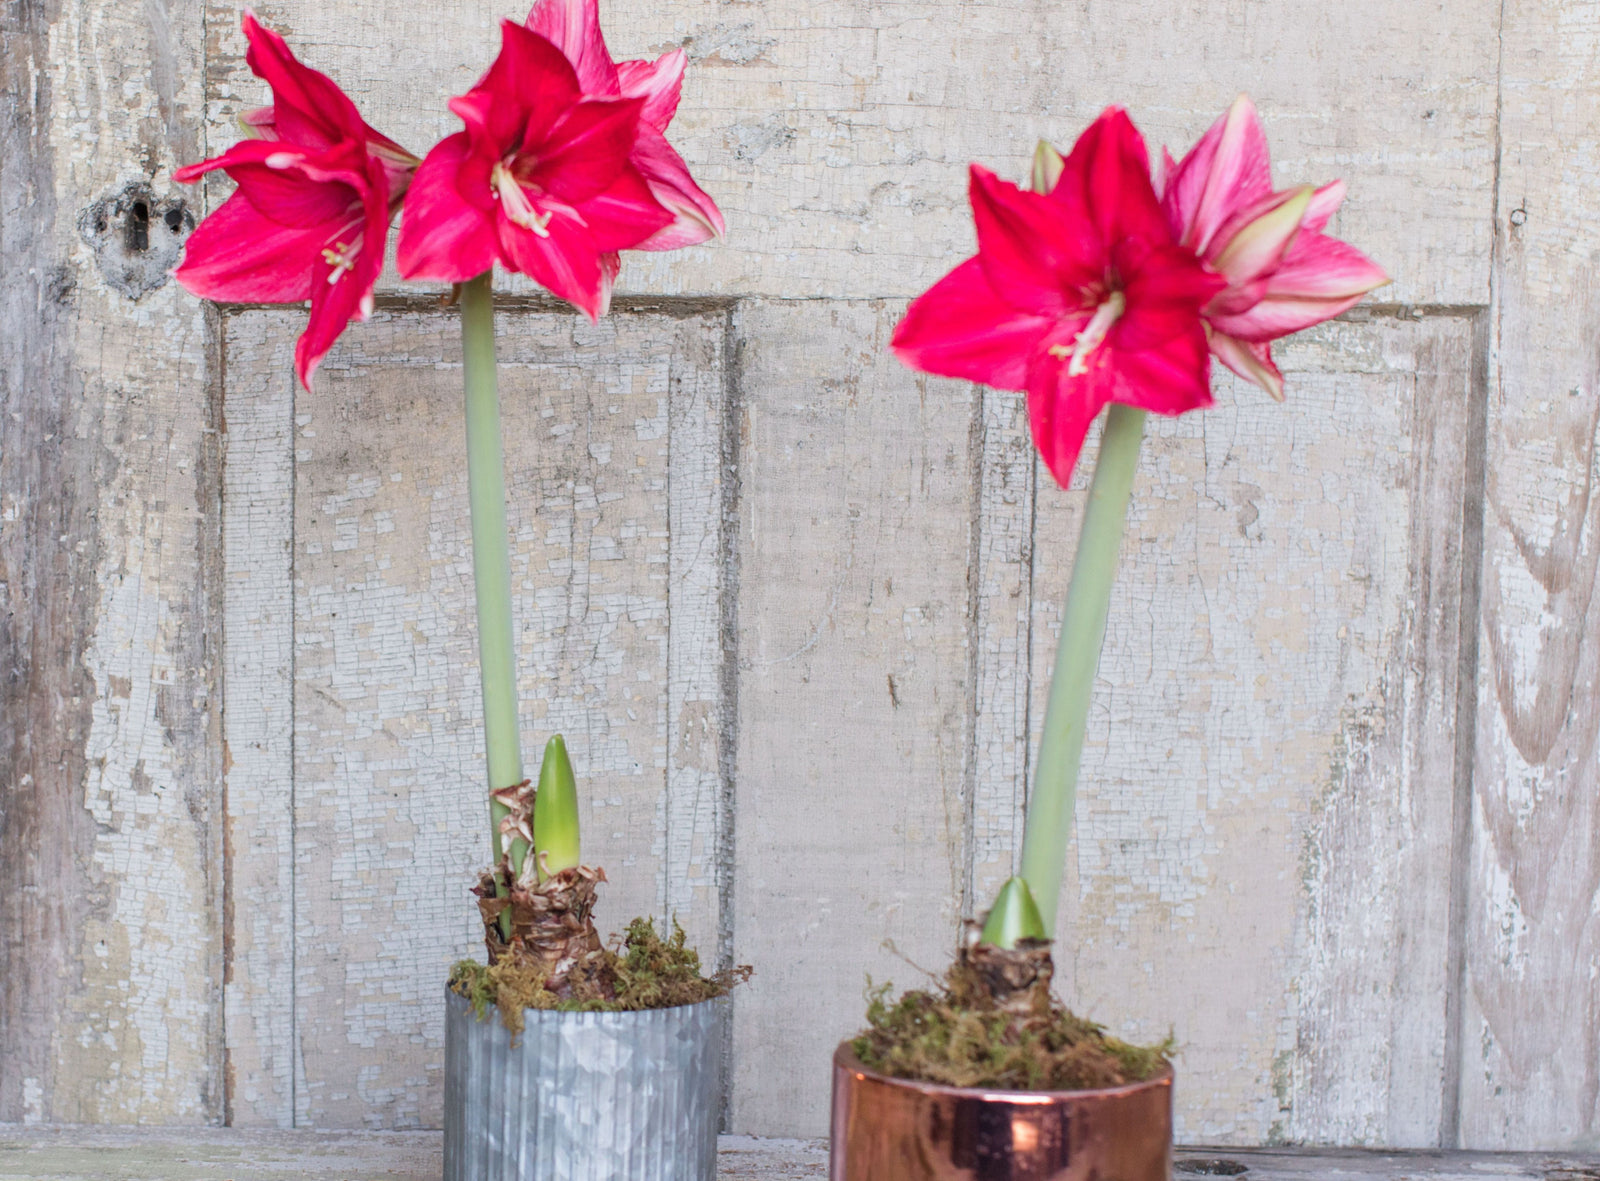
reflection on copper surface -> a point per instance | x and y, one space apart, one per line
888 1129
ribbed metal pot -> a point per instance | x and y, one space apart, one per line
583 1096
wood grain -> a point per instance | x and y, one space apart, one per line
258 717
1262 854
1531 1028
853 707
388 821
837 139
111 870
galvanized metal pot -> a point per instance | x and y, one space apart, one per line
583 1096
890 1129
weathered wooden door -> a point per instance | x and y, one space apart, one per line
793 605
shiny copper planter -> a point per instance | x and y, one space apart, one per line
890 1129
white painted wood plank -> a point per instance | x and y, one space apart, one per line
1257 652
1001 758
837 140
389 823
110 756
1530 1071
258 716
692 821
854 531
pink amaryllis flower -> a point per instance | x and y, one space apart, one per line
310 217
1283 273
540 181
1080 296
573 26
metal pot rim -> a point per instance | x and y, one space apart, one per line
845 1058
451 995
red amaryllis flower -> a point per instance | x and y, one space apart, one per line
540 181
1283 273
573 26
311 214
1080 296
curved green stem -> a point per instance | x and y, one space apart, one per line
1083 630
491 555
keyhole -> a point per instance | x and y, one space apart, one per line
174 220
138 228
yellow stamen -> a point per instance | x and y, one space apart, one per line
514 201
341 258
1092 336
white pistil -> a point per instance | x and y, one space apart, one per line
514 201
341 258
1092 336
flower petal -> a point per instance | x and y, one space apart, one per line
1027 248
308 108
442 236
1061 410
1256 239
586 149
525 90
573 27
624 215
1111 168
695 216
1165 288
1250 360
564 259
1325 203
959 327
1279 316
1323 266
1172 378
238 256
1228 167
659 83
341 293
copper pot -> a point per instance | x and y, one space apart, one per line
890 1129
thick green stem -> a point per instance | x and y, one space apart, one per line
491 555
1083 630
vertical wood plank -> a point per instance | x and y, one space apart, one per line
1530 1038
613 437
853 705
258 715
1374 985
693 820
1264 811
1000 760
110 926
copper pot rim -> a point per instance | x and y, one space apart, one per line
844 1058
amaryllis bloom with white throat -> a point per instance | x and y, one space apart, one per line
1078 295
540 181
1283 272
317 187
573 26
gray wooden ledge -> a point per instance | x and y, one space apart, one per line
231 1154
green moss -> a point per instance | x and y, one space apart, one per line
971 1042
647 973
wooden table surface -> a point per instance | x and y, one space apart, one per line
229 1154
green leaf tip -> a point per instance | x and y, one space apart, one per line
1014 916
555 812
1047 166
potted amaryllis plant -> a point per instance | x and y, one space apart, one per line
605 1063
1096 287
